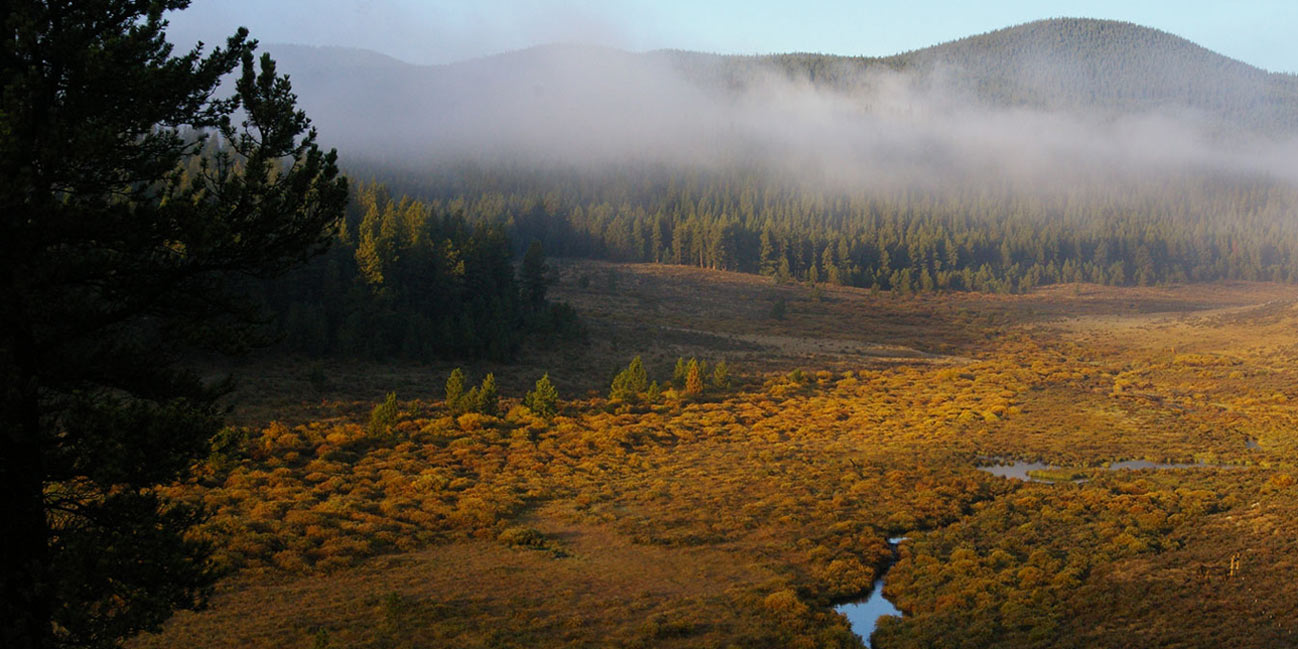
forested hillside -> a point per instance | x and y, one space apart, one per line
407 279
1112 65
1088 66
1063 150
1066 64
1179 229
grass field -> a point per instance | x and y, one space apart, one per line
739 516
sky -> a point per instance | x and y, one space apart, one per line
1258 32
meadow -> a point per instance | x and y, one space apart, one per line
738 515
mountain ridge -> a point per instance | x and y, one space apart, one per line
1097 68
1060 23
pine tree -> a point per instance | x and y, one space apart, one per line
767 254
455 391
721 375
122 232
369 257
488 399
543 399
693 378
679 372
654 394
532 280
630 382
783 274
384 416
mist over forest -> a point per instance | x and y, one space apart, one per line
1059 151
1039 105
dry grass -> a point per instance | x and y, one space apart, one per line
481 593
740 516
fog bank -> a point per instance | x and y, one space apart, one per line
867 126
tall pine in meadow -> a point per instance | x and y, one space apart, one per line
455 390
630 382
544 398
693 378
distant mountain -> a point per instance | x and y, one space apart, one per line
1083 63
1061 63
549 96
1064 150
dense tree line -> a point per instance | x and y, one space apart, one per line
406 279
1185 227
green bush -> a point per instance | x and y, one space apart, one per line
384 416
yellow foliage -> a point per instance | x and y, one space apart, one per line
785 604
473 421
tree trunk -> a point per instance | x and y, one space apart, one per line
25 603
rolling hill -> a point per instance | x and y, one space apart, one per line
1094 68
1063 150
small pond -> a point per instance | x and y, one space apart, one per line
1018 470
863 615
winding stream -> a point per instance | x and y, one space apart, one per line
863 615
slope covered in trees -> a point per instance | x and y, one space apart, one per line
1120 67
1096 67
966 237
1057 151
1065 63
408 280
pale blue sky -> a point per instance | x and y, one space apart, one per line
1260 32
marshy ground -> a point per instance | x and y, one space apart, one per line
739 516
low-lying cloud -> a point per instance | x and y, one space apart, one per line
591 107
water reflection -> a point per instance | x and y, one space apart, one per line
1024 470
863 615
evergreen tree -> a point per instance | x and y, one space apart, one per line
455 390
654 394
420 282
637 378
384 416
721 375
769 265
630 382
532 278
488 399
679 372
126 239
783 273
619 389
543 399
693 378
